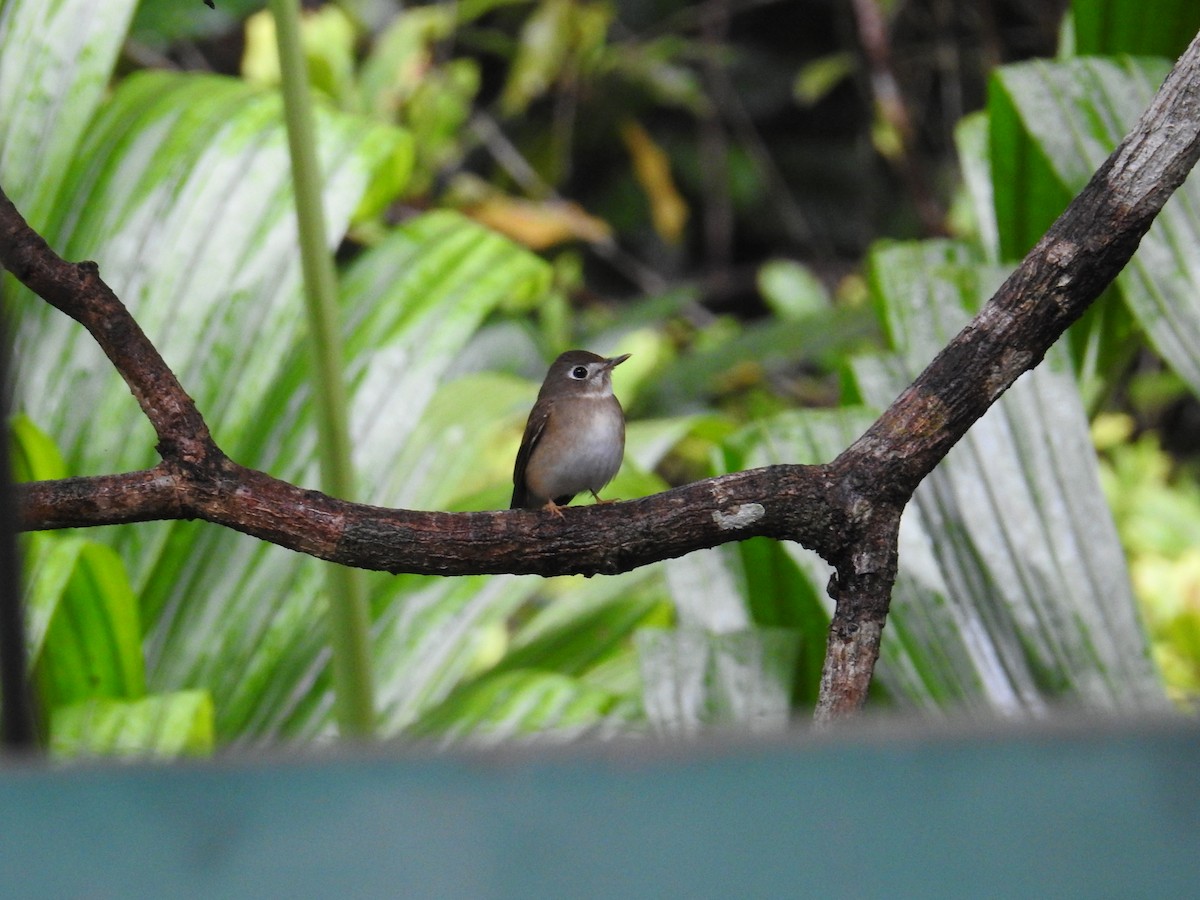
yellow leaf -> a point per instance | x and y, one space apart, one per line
328 37
652 168
260 59
538 225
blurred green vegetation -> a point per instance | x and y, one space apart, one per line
779 219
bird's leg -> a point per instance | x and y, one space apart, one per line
596 497
554 508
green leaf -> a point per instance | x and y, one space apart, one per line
708 588
328 38
526 704
582 628
402 81
817 79
791 289
162 725
159 25
1139 27
572 642
182 191
695 678
449 636
92 639
400 55
921 291
781 596
739 353
972 137
429 288
649 441
35 456
450 457
431 634
1028 194
660 68
542 53
50 561
777 592
55 62
742 589
437 114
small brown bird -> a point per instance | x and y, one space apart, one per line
575 437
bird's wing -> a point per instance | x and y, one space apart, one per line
533 433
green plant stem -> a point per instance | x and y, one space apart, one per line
348 615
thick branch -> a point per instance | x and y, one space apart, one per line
614 537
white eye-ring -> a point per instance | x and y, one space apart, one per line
579 372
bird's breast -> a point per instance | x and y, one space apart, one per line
580 450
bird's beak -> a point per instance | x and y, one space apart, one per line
613 362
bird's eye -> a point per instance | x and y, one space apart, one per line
579 372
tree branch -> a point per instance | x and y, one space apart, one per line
604 539
848 510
